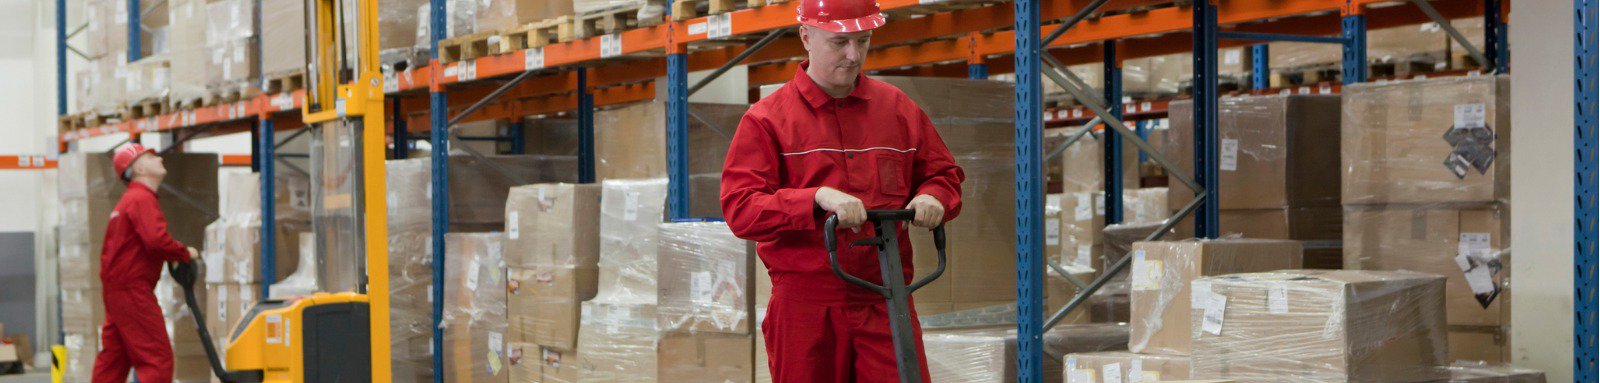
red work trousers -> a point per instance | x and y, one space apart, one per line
813 343
134 336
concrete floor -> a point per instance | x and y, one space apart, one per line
32 377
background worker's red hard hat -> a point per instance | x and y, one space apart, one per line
841 16
124 157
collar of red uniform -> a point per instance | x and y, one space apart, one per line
814 94
140 186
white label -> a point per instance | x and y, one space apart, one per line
1085 256
1145 106
1478 276
1325 89
533 59
391 82
1198 291
468 70
1216 306
1229 155
1470 115
1099 207
719 26
1076 113
1082 376
610 45
513 230
1130 109
1052 231
1475 245
1146 273
283 102
1232 57
1084 211
630 208
1112 373
496 341
1278 300
700 287
472 275
697 29
1136 370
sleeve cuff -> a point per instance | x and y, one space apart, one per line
944 198
801 207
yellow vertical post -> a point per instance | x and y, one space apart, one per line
373 149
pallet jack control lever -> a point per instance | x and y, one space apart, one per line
184 274
894 288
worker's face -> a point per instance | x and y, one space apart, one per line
151 165
836 58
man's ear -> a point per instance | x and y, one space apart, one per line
805 37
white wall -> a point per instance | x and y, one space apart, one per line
1541 190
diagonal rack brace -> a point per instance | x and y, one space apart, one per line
1443 23
1114 123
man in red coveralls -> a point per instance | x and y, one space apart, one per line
136 246
833 141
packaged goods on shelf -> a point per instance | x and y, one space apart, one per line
82 310
229 20
1320 325
1318 228
706 357
1119 238
81 351
147 79
1440 140
631 143
1119 366
233 63
410 281
1083 165
543 304
109 85
989 354
463 20
478 188
705 280
1494 374
398 24
187 41
474 320
1469 245
966 113
629 213
553 225
647 8
1162 272
1276 151
283 37
617 342
1083 223
232 250
504 15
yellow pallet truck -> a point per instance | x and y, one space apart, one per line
338 337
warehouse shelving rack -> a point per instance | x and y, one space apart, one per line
578 76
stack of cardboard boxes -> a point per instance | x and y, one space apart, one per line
1278 157
89 190
617 338
1427 188
474 320
989 354
705 297
230 50
631 143
232 253
552 246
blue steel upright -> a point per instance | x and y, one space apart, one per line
61 57
133 30
1353 29
585 129
1030 194
267 144
1112 140
677 135
978 71
1494 36
1260 67
517 132
1205 116
439 134
1585 165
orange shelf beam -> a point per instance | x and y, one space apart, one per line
26 162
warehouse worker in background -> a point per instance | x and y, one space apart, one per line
136 246
833 141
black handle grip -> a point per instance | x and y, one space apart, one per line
830 239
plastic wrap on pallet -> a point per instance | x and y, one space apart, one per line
410 276
1083 165
233 64
187 42
1319 325
705 279
1162 272
147 79
503 15
1422 44
1121 366
1469 245
233 249
706 357
82 310
462 21
109 87
474 308
542 305
617 342
283 37
553 225
629 213
335 205
398 23
631 141
229 20
1276 151
990 354
648 9
81 351
1083 222
1494 374
1427 141
478 189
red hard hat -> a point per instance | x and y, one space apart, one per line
841 16
124 157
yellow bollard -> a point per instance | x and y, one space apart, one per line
58 362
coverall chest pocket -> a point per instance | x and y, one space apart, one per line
893 179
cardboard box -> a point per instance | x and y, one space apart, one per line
398 25
1084 217
1431 239
631 141
705 281
1275 151
706 357
81 351
553 224
1493 374
1480 344
475 308
283 37
478 189
1083 166
226 306
630 211
1272 326
232 251
617 342
542 304
507 14
187 41
1162 272
1426 141
1119 366
989 354
232 63
82 310
1320 230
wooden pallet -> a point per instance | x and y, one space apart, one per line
229 93
536 34
177 104
612 20
689 9
465 47
286 83
937 7
147 108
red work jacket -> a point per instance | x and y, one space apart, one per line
874 144
137 242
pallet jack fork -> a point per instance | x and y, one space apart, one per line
894 288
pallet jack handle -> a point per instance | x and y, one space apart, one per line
184 274
894 290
